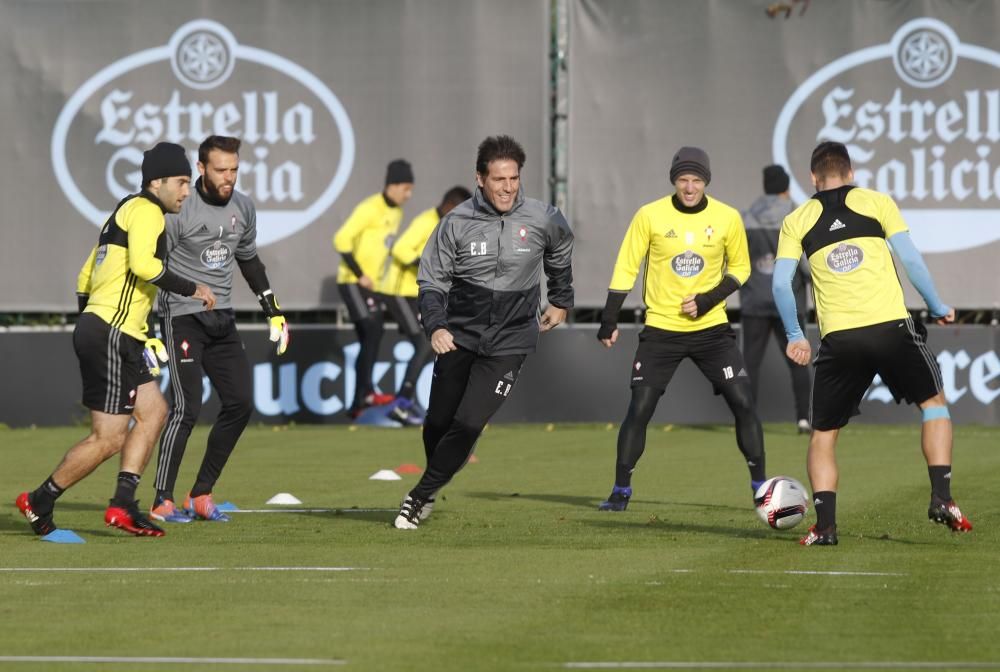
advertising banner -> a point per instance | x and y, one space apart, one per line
572 378
912 88
323 95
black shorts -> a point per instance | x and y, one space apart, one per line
713 350
848 361
361 303
111 365
405 312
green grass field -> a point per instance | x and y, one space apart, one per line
517 569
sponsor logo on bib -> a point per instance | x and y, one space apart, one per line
687 264
844 258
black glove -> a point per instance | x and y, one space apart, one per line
708 300
609 316
606 330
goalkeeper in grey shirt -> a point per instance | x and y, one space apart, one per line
215 231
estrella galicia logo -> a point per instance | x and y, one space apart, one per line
844 258
920 115
216 255
203 82
687 264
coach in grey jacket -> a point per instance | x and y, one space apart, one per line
479 301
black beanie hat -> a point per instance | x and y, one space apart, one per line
775 180
399 172
690 160
164 160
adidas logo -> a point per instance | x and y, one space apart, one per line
817 501
203 229
671 234
743 372
509 376
837 224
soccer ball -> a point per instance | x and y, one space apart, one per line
781 502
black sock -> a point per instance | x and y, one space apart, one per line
623 476
43 499
163 495
825 502
407 390
757 472
941 480
200 489
125 492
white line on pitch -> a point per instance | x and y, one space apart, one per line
813 572
171 660
843 665
184 569
396 510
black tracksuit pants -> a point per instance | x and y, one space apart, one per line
366 311
203 342
467 390
756 332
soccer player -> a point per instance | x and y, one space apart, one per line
116 288
399 295
363 242
695 249
479 297
215 231
758 314
865 328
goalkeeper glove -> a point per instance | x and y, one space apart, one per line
279 327
154 350
279 333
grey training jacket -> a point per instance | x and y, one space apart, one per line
480 273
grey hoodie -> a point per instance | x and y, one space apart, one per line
763 224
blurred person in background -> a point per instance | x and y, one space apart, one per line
363 242
758 315
399 295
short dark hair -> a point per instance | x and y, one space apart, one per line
497 148
456 195
223 143
830 158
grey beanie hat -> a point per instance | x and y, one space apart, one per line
692 160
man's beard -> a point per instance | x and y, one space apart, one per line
212 194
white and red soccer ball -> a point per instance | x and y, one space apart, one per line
781 502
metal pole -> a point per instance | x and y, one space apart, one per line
559 120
